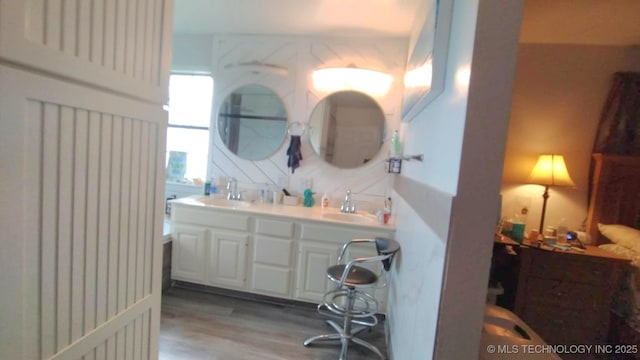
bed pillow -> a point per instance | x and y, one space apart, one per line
622 235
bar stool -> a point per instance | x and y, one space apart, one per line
348 301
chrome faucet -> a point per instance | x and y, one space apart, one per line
348 205
232 189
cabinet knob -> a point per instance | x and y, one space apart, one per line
561 294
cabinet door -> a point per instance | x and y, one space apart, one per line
227 259
188 253
313 260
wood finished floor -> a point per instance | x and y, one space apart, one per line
197 325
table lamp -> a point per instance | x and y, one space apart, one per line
550 170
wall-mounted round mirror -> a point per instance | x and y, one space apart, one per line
252 122
347 129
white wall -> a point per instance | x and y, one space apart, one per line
447 212
192 53
370 183
558 96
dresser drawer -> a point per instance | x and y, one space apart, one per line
564 293
566 266
566 325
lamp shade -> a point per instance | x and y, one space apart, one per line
550 170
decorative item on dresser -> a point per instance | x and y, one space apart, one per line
565 295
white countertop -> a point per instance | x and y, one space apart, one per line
290 211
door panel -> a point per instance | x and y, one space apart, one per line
91 227
228 258
121 45
313 260
188 253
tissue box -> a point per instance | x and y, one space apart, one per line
290 200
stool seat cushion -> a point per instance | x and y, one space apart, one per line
357 275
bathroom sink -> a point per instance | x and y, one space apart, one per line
225 202
352 218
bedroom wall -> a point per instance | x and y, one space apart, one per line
558 96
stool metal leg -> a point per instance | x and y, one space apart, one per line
346 329
347 332
368 346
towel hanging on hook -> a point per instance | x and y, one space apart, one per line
296 128
294 153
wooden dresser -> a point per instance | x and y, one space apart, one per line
565 295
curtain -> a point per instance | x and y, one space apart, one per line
619 129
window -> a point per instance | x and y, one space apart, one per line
190 98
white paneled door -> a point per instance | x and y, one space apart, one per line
82 139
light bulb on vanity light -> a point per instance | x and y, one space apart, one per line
372 82
419 77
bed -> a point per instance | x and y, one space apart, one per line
615 203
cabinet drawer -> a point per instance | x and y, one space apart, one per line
277 228
271 280
564 293
572 267
273 251
565 325
216 219
337 234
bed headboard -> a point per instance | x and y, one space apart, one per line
615 193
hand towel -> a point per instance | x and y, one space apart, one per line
294 153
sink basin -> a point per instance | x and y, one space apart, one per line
225 202
352 218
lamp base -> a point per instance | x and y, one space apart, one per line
545 197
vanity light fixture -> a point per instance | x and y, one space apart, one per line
420 77
372 82
259 67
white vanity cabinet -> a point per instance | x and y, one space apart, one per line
212 246
283 256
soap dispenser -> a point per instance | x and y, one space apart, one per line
325 201
395 145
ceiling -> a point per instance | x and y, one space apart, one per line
593 22
371 18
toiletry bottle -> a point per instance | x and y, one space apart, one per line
213 188
395 144
325 200
207 188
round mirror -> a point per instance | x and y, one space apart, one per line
252 122
347 129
